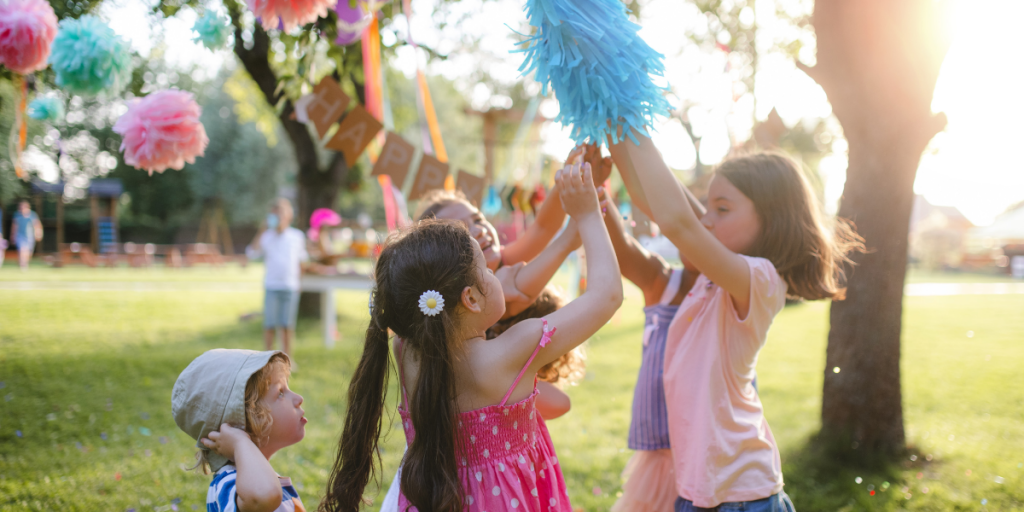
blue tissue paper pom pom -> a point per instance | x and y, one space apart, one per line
212 30
89 57
46 108
589 53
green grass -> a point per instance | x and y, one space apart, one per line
80 365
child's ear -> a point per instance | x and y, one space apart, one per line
470 299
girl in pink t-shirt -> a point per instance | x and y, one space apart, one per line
468 403
762 239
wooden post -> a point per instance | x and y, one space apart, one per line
94 214
60 221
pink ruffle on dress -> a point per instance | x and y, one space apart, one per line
509 463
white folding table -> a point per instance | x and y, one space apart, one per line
326 285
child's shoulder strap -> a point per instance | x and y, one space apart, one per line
672 288
545 338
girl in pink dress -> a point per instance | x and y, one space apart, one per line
762 239
476 440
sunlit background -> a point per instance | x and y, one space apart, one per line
973 165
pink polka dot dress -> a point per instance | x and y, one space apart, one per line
509 462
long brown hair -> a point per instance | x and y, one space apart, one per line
568 369
808 254
432 255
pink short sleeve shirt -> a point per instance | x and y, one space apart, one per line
722 447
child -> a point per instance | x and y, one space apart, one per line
26 230
762 239
283 249
552 402
474 440
245 395
650 483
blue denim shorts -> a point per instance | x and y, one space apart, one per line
774 503
280 307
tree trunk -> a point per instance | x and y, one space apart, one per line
317 186
878 62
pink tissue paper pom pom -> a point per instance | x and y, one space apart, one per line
162 131
288 13
27 28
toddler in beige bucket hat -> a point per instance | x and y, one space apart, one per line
237 405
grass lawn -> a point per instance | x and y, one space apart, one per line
86 377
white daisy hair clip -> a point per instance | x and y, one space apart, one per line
431 303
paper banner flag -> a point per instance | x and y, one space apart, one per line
430 176
394 159
327 105
354 133
471 186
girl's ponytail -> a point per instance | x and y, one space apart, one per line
354 464
430 478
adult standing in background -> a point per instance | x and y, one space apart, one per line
283 249
26 230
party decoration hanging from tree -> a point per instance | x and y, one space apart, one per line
600 69
27 30
161 131
288 14
46 108
88 57
212 30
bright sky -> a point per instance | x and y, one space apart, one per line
971 165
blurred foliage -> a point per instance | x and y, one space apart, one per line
250 106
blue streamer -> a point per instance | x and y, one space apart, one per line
89 57
589 53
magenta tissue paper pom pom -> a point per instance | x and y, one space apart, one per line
27 28
162 131
288 14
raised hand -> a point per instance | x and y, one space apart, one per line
576 190
226 441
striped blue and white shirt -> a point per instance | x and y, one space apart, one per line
648 429
221 495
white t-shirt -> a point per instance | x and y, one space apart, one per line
282 254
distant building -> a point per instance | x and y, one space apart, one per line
1003 240
938 235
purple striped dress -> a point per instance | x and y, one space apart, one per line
648 429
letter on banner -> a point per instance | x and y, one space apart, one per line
354 133
394 159
430 176
327 105
471 186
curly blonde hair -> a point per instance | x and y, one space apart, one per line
258 419
572 366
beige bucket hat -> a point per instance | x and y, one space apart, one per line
211 391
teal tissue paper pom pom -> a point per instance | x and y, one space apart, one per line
589 53
212 30
89 57
46 108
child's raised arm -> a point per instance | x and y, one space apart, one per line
643 268
257 488
670 208
581 318
530 279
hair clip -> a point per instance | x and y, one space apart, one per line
431 303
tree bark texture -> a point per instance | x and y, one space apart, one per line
318 184
878 61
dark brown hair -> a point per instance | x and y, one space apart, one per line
808 254
569 368
432 255
436 200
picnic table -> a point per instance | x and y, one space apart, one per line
326 285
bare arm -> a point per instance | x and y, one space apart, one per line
257 488
643 268
551 402
624 161
531 278
545 226
580 319
681 225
